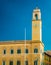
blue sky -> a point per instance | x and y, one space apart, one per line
15 15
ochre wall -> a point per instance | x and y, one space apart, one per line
31 56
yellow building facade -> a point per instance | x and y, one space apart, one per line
47 58
25 52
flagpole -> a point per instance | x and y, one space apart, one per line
25 44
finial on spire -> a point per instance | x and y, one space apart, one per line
36 7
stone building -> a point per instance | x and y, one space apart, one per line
47 58
25 52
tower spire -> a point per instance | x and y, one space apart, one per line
36 25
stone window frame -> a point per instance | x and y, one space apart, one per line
4 51
26 62
12 62
18 62
35 50
3 62
35 62
26 51
18 51
12 51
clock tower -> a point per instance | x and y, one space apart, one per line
36 25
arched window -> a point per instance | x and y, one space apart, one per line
26 50
3 63
19 51
4 51
36 16
26 62
11 51
36 62
35 50
11 63
18 62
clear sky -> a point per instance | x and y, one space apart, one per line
15 15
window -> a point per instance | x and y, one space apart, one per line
19 51
18 63
36 62
26 62
26 50
35 50
11 63
11 51
36 15
4 51
3 63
